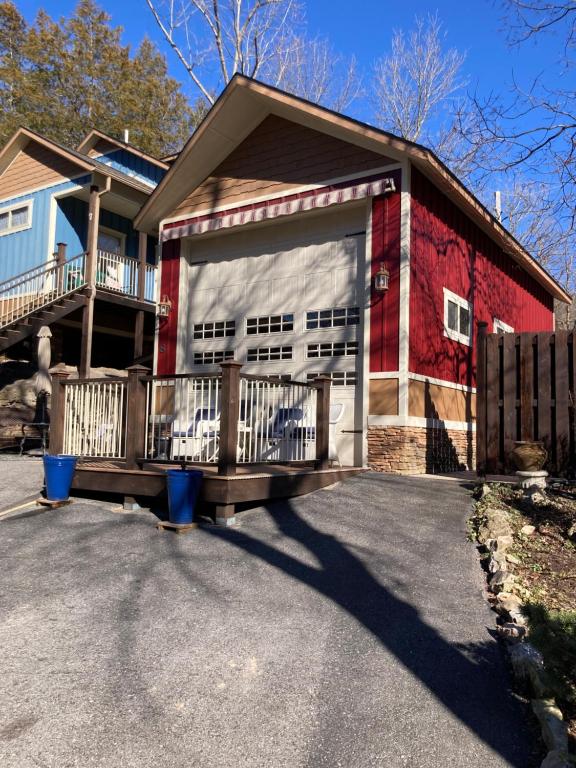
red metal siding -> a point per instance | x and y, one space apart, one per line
449 251
169 286
385 310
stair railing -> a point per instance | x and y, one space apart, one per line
24 294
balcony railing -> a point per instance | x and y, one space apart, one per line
121 274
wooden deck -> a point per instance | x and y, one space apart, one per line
251 483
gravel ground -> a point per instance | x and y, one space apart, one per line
346 628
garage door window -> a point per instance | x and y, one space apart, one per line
333 349
332 318
211 358
339 378
269 324
215 330
265 354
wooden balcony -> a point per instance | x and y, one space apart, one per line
254 438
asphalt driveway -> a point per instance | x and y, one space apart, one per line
346 628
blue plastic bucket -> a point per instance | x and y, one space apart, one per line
58 474
183 491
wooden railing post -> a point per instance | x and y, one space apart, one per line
142 249
322 421
481 411
135 415
229 414
57 411
60 267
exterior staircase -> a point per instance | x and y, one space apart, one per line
40 296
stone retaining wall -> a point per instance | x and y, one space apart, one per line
415 450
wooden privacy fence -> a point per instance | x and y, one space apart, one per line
525 391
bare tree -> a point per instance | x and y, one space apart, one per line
214 39
415 81
527 18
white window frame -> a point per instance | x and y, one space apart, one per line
281 315
465 304
347 316
268 350
501 327
29 204
351 349
121 236
228 354
210 333
338 378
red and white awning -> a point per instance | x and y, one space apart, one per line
288 205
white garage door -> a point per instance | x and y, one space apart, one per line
286 301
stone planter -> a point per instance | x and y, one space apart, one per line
529 455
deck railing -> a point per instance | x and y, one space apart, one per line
122 274
226 419
95 418
24 294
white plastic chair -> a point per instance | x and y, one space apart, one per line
335 416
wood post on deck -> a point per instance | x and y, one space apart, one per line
139 318
322 422
230 412
135 415
60 256
57 411
90 277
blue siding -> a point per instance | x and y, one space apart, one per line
72 226
132 165
24 250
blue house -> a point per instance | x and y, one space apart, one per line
70 257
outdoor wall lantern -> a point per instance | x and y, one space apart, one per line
164 306
381 279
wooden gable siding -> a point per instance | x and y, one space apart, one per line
34 167
278 156
101 148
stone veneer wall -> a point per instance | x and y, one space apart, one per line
415 450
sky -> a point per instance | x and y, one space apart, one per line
364 28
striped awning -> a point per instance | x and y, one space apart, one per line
288 205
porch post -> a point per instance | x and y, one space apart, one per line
139 317
60 263
90 276
322 421
57 412
229 413
481 426
135 415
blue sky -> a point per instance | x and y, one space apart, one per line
364 28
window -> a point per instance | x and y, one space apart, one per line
457 317
16 218
333 349
269 324
332 318
339 378
266 354
216 330
501 327
212 358
111 242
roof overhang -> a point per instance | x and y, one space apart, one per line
92 139
243 105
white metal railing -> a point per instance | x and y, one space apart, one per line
95 418
24 294
122 273
277 421
183 418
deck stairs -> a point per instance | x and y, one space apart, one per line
38 297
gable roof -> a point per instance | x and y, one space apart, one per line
243 105
92 139
23 136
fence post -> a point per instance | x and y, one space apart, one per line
322 421
135 415
57 411
481 380
60 264
230 411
